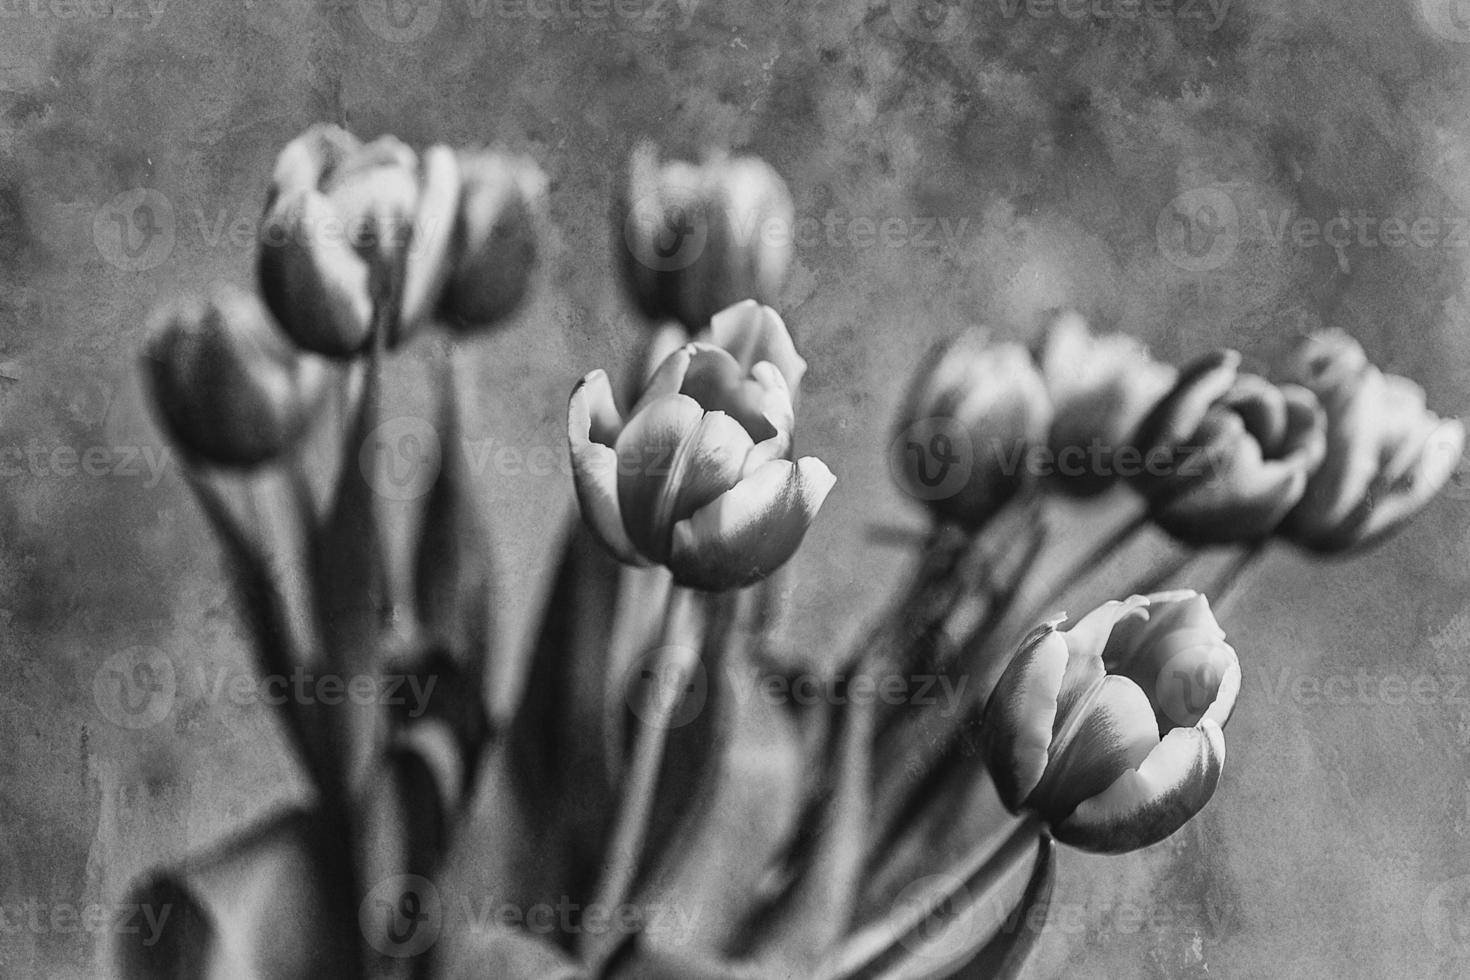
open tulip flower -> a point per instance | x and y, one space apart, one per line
1226 455
697 478
1072 730
1101 388
1387 454
973 411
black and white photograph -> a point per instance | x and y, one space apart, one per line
713 490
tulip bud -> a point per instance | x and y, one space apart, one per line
1098 755
494 238
1226 455
697 479
696 239
1102 387
1387 455
227 385
972 414
357 237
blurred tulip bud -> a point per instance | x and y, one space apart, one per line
696 239
1080 746
353 229
1102 387
1387 454
494 238
1226 455
966 427
697 479
228 386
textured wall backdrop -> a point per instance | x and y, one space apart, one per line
1055 148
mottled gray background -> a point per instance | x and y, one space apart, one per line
1336 846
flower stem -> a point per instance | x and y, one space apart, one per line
671 669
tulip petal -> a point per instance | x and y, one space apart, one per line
1111 729
649 453
310 160
1017 728
668 378
753 528
1175 420
710 463
758 400
1145 805
428 265
753 333
313 281
1439 456
595 465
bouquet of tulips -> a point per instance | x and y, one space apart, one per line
637 815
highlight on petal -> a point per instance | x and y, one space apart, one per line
753 528
1017 727
310 160
753 333
315 284
1145 805
650 459
595 465
428 267
1110 730
668 378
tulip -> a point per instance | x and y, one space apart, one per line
228 386
1226 455
1110 731
695 239
356 234
697 478
1102 388
1387 454
971 416
494 238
